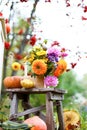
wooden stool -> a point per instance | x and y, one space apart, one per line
54 96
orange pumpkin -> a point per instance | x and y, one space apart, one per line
12 82
38 123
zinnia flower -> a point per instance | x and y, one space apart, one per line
51 81
16 66
71 119
39 67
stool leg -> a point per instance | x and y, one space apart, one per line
60 115
49 113
14 107
25 104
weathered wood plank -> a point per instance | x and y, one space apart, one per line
49 113
14 106
29 111
54 96
60 115
36 90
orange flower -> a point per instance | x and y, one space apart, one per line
61 68
39 67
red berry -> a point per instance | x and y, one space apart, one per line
7 45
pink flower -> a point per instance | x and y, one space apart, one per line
53 50
51 81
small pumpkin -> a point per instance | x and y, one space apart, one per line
38 123
12 82
27 83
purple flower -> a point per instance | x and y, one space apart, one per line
52 57
51 81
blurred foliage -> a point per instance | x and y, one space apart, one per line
72 86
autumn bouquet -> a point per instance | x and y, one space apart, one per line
47 61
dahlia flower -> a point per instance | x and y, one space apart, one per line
51 81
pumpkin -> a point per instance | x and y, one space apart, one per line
27 83
12 82
1 128
38 123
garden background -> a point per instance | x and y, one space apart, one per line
50 20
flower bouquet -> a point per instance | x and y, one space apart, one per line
45 63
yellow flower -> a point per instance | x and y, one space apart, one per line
71 119
41 53
39 67
16 66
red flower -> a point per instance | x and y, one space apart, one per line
7 45
33 40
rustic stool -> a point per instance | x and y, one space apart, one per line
54 97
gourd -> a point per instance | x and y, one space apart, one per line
12 82
10 125
38 123
27 83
